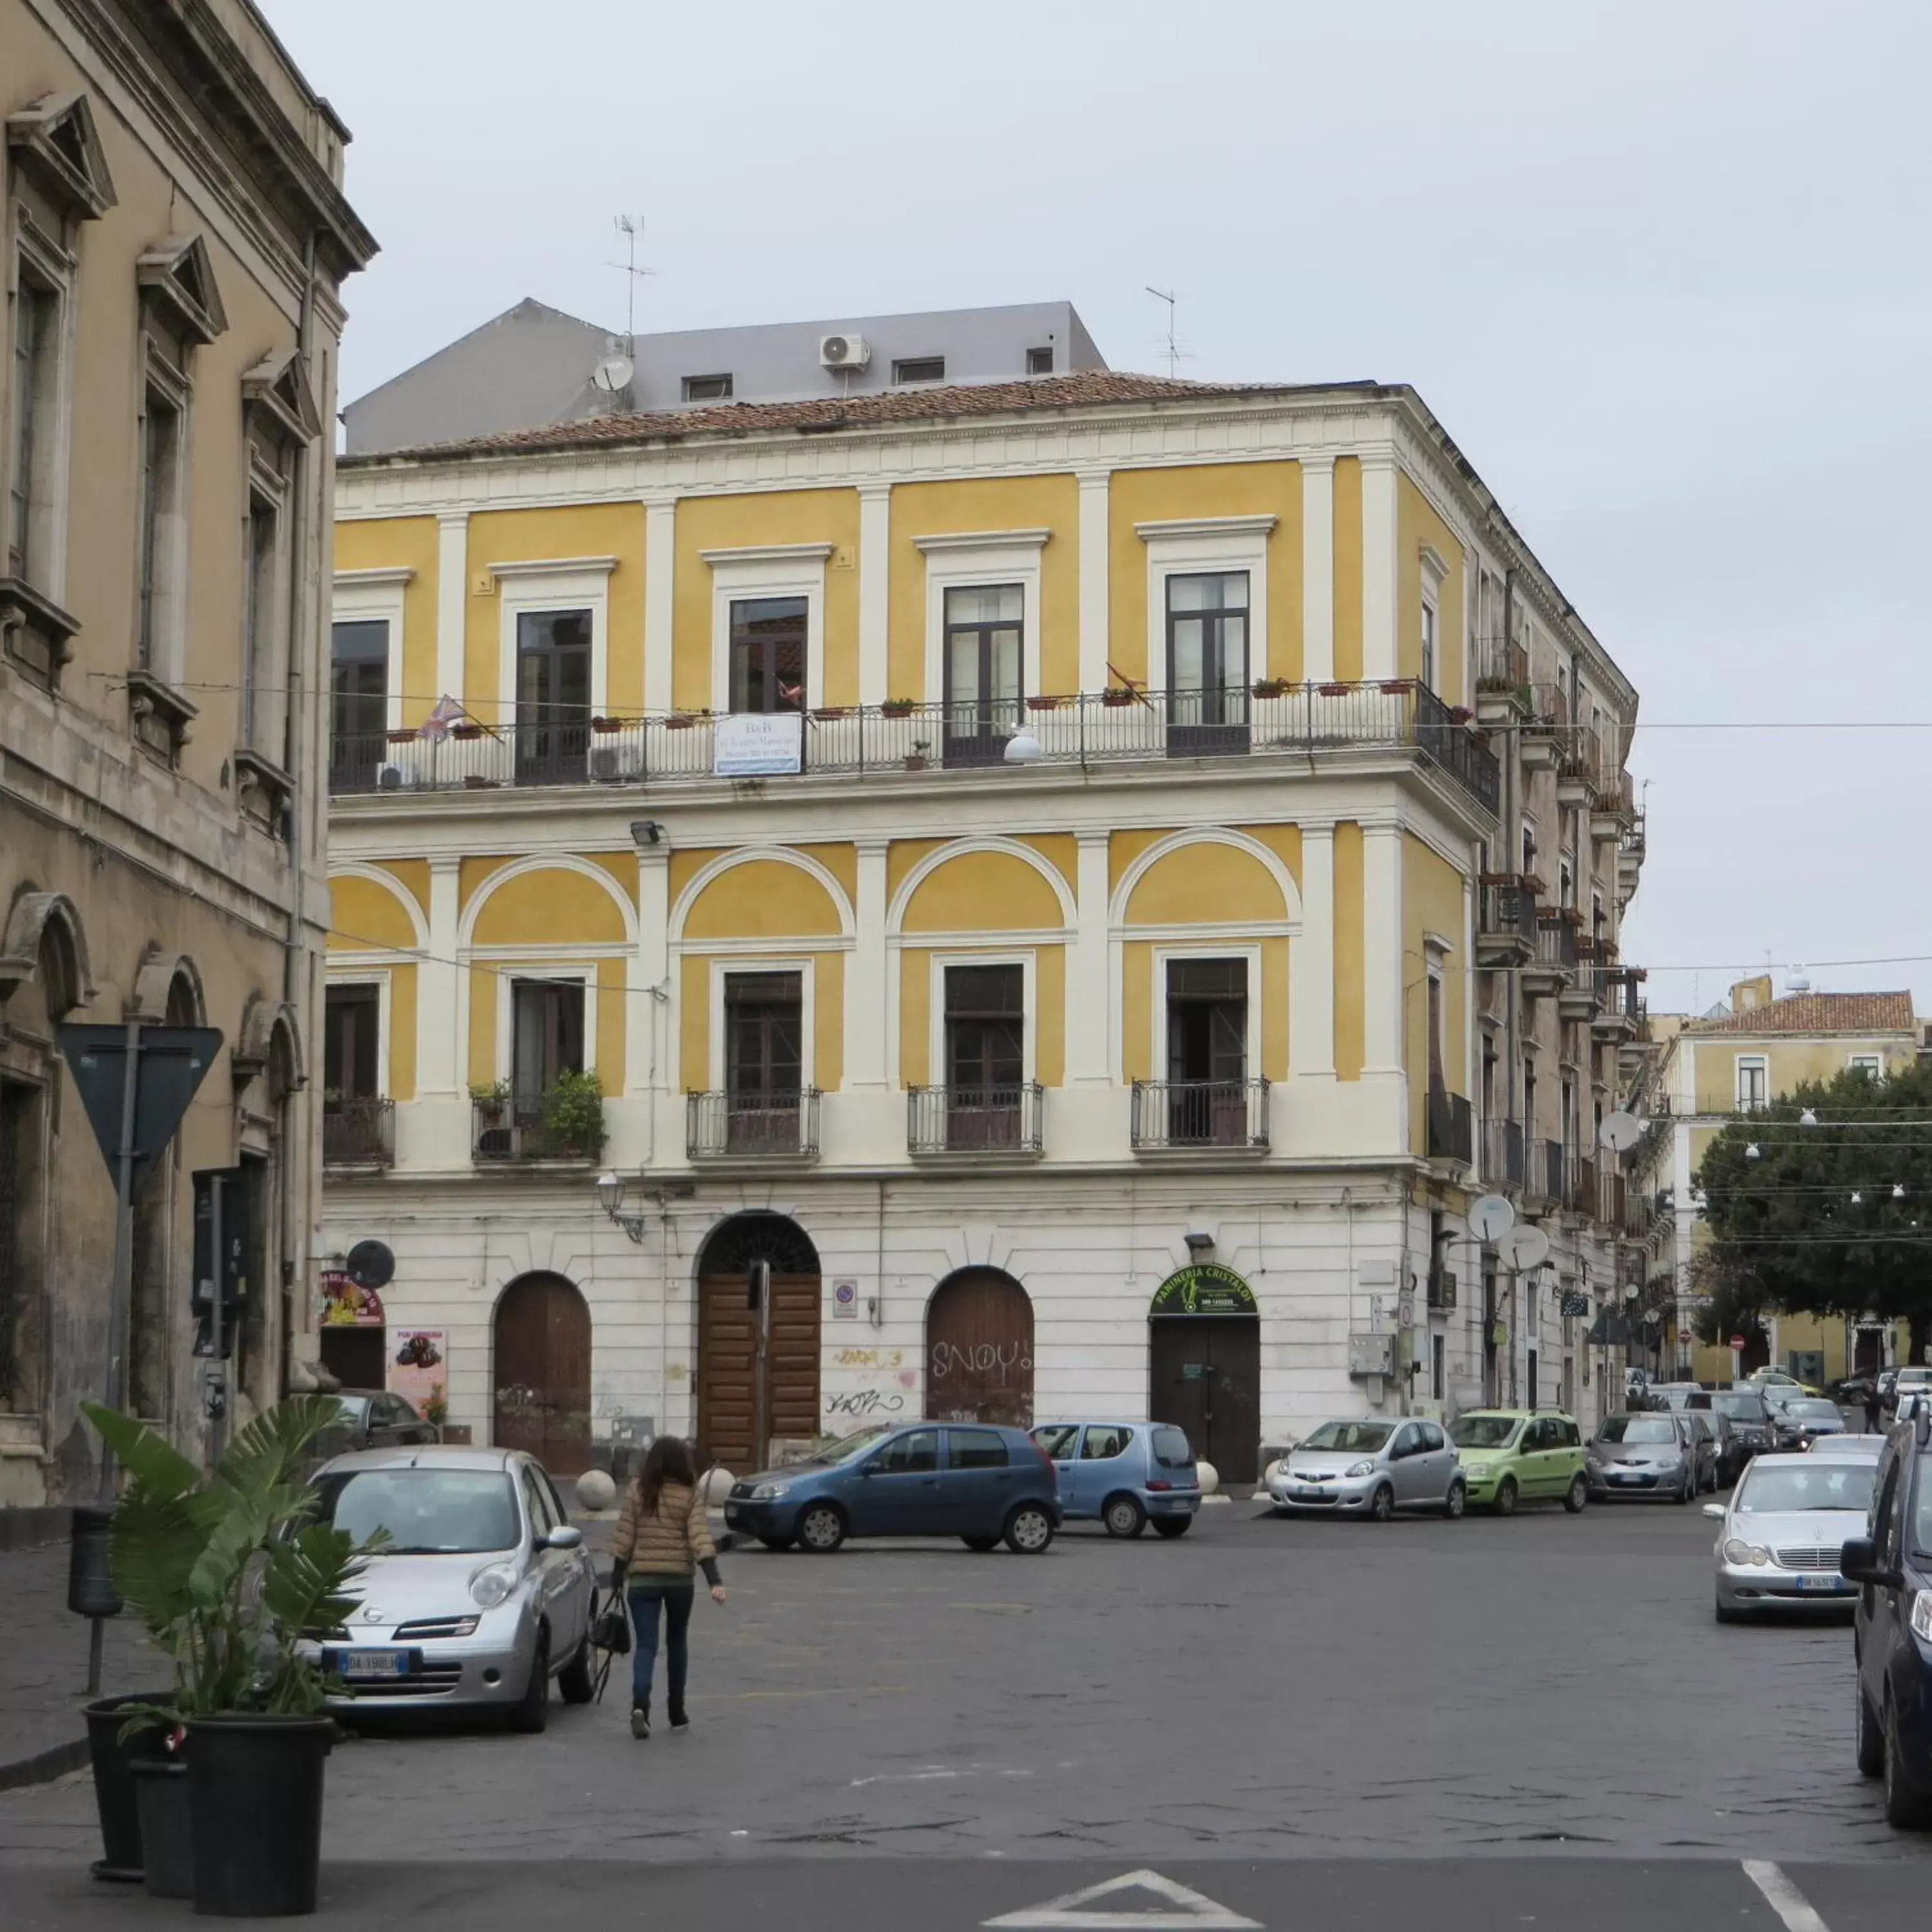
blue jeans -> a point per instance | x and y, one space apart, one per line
676 1595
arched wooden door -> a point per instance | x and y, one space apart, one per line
979 1350
728 1375
543 1373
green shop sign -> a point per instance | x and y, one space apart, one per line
1204 1289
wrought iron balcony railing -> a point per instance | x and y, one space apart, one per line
358 1132
722 1126
1503 1164
1451 1127
519 1127
976 1119
1173 1115
1501 665
1270 717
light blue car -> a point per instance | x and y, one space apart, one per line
1124 1474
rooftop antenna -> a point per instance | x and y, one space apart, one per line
631 227
1173 352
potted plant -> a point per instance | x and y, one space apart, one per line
825 713
1041 702
606 725
916 757
1271 687
403 734
573 1119
680 721
233 1578
466 732
1336 690
1460 714
491 1098
1115 695
896 707
476 782
1398 687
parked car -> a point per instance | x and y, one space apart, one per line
1647 1454
1513 1455
1680 1395
1124 1474
1866 1446
977 1481
1889 1562
372 1419
1802 1419
484 1594
1782 1529
1749 1429
1769 1378
1350 1466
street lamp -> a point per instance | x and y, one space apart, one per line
610 1197
1807 1118
1751 1152
1024 749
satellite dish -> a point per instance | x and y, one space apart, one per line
371 1264
1491 1217
1620 1132
614 373
1524 1248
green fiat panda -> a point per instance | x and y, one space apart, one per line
1512 1456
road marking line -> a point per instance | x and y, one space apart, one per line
1070 1911
1785 1899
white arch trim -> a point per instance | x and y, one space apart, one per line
544 862
1206 835
1011 848
746 855
374 875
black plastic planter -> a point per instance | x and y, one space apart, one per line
256 1784
114 1781
161 1797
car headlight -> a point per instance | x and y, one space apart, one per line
1921 1615
1739 1554
769 1492
1367 1468
489 1586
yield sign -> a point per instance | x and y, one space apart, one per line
170 1063
1172 1907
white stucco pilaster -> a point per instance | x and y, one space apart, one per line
440 1006
875 535
1311 962
1382 959
1094 618
1379 655
1089 980
866 1064
647 974
452 603
1317 568
660 586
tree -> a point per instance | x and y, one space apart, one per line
1834 1218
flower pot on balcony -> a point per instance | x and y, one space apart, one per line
1336 690
1271 687
404 735
1460 714
476 782
1042 704
466 732
1115 695
1398 687
606 725
680 721
896 707
826 712
915 761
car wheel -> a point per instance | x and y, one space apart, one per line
1381 1505
1029 1530
1870 1738
1577 1495
776 1544
1171 1526
1686 1490
531 1711
1506 1496
1905 1805
821 1529
575 1683
1455 1502
979 1545
1123 1516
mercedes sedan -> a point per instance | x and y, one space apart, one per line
1783 1531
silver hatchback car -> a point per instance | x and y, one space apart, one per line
483 1594
1357 1467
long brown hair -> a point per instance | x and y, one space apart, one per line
667 1460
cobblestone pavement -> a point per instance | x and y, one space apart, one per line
1258 1690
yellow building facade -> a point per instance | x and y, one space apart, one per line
986 854
1706 1071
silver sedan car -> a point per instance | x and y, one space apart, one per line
1783 1532
1355 1467
483 1593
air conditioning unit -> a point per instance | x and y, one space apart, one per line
1441 1291
844 351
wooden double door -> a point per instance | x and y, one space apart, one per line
542 1335
1205 1376
727 1367
979 1350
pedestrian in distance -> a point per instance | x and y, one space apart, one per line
662 1539
1871 1406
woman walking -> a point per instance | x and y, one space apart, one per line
662 1539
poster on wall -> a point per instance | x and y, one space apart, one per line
344 1305
417 1370
754 744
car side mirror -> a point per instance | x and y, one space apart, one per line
868 1469
1715 1511
565 1536
1858 1561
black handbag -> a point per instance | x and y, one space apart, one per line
612 1630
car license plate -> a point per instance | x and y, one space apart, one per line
363 1665
1823 1584
1621 1476
1305 1495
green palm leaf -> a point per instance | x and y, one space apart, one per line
142 1453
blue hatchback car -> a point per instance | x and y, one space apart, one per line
1125 1474
973 1480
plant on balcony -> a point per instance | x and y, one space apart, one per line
825 713
606 725
492 1097
573 1117
466 732
897 707
1398 687
1117 695
1271 687
1460 714
1041 702
403 734
916 757
1336 690
680 721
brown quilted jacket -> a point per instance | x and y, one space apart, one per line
671 1541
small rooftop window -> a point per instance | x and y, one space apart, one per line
707 388
920 369
1039 362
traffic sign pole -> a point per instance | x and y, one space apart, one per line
120 1307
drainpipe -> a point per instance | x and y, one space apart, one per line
1513 810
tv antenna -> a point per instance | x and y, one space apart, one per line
1173 352
631 227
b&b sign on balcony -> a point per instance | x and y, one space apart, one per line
751 744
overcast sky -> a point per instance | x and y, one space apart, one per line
1661 268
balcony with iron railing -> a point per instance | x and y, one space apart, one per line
1554 964
744 1127
1506 921
1504 1163
1543 1180
563 1123
1502 670
1579 1185
357 1131
1200 1116
1005 1120
1118 726
1580 765
1451 1135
